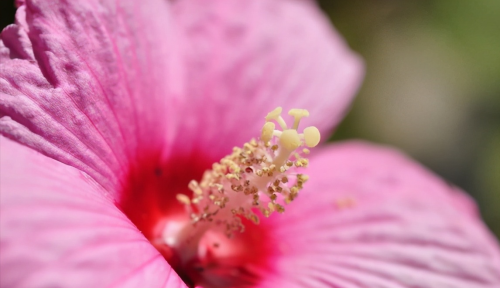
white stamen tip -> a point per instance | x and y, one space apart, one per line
290 140
273 115
267 132
297 115
312 136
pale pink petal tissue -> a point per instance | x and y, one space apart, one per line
242 59
93 90
370 217
59 230
109 108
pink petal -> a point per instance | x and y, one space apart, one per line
58 230
370 217
244 58
85 82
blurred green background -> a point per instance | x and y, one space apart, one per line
432 85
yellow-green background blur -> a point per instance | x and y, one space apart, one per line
432 85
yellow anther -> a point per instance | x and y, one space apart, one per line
279 208
267 132
248 147
311 136
297 115
266 212
271 206
290 139
183 199
195 187
302 177
254 218
232 176
219 187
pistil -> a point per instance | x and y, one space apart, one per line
261 176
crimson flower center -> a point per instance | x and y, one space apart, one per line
194 210
149 201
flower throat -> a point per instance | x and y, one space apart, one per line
197 225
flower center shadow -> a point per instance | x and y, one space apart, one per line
149 200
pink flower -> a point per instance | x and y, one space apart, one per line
129 100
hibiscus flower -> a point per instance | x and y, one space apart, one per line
110 108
